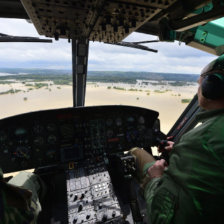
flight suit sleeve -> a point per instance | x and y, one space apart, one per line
160 200
15 204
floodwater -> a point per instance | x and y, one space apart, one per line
167 103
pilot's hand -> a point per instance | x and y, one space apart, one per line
168 145
157 169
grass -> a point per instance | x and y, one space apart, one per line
186 100
160 91
40 85
29 84
37 85
118 88
62 82
11 91
6 82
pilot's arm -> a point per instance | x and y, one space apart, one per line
19 199
160 205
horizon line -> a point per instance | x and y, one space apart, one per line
98 70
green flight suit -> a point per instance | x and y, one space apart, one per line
191 190
19 202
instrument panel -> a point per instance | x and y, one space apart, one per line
54 137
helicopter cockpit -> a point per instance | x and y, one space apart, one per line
73 150
81 152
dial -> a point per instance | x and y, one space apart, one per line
109 133
109 122
130 119
3 136
39 140
51 154
141 127
5 149
22 152
132 135
38 129
51 139
141 120
51 127
118 122
67 131
20 131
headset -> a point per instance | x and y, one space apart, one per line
213 83
212 86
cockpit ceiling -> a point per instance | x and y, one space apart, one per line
97 20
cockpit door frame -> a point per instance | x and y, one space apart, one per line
80 51
186 121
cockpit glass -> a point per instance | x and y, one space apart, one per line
169 98
33 76
37 76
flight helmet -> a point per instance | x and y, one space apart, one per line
213 83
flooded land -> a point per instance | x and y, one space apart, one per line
169 100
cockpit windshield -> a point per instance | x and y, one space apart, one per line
38 76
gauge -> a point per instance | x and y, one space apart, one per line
141 127
38 128
130 119
20 131
141 120
118 122
67 131
3 136
38 140
109 133
21 141
51 139
51 127
22 152
51 154
109 122
132 135
5 149
37 150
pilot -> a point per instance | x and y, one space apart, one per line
191 188
20 198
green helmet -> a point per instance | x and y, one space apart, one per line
212 85
215 67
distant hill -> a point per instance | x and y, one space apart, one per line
132 76
94 76
34 71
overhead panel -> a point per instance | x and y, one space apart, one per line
98 20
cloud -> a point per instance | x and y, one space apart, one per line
17 27
135 60
171 57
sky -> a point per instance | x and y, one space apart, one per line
171 57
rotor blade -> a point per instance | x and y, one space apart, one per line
127 44
145 42
8 38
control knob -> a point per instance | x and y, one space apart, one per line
104 218
80 208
